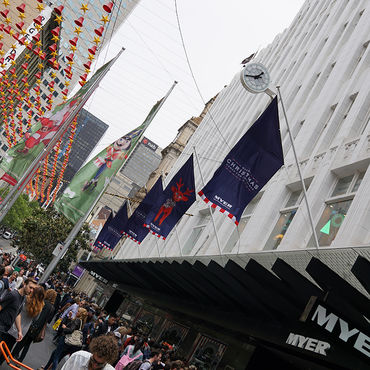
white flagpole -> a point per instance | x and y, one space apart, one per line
209 207
299 170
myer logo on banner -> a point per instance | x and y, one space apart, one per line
309 344
331 321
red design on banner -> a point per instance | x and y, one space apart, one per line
9 179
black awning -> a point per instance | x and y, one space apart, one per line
256 302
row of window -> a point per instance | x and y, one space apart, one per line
336 208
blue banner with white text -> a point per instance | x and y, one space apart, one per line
250 164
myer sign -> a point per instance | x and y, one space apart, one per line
329 321
309 344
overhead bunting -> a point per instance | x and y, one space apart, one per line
175 200
249 165
135 229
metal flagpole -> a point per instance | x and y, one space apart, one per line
299 170
70 238
16 191
209 207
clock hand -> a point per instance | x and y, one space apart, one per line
255 77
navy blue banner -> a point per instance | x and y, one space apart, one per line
112 230
250 164
135 229
178 196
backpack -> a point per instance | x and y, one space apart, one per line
134 365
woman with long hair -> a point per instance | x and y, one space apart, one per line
62 347
31 309
36 332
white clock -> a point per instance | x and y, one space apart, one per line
255 78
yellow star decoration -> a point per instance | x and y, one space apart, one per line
21 15
26 84
91 57
51 89
25 72
38 43
55 38
87 70
27 56
65 97
40 7
8 20
77 30
1 37
40 66
11 33
38 27
54 53
13 63
5 2
26 43
73 48
53 75
70 63
23 32
59 19
13 47
105 19
67 83
96 40
51 101
84 8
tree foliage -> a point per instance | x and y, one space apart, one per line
43 229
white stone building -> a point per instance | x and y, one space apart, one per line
322 63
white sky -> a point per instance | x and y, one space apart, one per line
218 35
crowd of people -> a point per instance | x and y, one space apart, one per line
85 335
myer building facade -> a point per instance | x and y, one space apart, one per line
322 64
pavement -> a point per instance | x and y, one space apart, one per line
6 246
39 353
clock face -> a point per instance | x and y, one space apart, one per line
255 78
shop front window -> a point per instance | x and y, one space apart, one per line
280 229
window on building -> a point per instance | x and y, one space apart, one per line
202 221
4 148
286 217
336 209
45 82
237 231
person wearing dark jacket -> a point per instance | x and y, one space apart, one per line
37 327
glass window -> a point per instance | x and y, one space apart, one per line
197 231
280 229
293 200
342 186
235 235
330 222
358 181
4 147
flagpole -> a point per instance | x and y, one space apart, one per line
70 238
209 207
16 191
299 170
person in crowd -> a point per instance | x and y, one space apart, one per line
36 332
177 365
88 329
104 326
12 310
20 279
133 352
62 347
13 280
8 272
155 358
72 308
103 352
2 284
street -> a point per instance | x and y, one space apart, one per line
5 244
38 353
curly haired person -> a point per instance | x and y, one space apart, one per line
103 352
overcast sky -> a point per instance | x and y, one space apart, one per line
218 35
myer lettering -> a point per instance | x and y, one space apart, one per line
309 344
223 202
330 321
242 173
